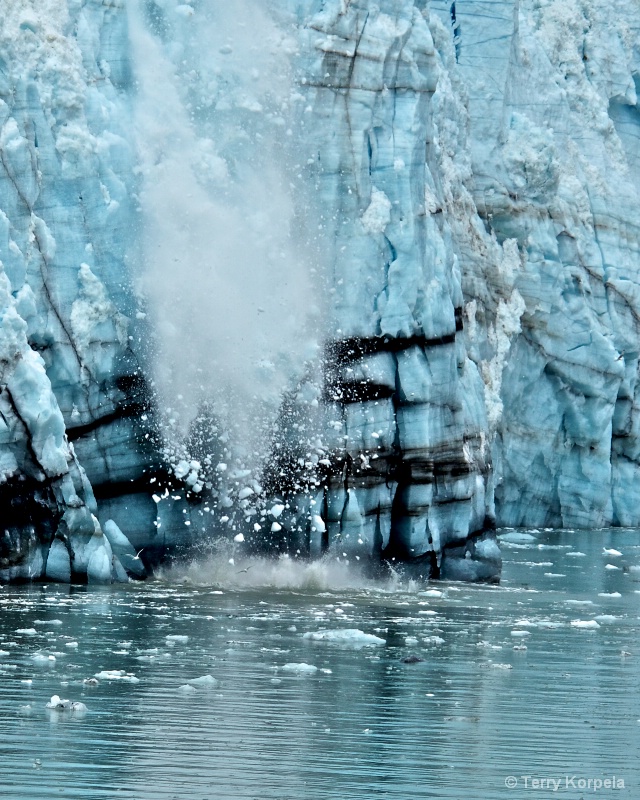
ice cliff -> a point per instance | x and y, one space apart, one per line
470 170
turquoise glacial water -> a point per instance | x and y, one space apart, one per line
533 680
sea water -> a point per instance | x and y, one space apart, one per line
210 683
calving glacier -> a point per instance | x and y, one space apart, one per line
317 278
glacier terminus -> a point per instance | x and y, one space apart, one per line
317 278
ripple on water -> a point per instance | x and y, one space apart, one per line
262 690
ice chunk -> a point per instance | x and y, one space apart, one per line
58 704
58 562
433 640
517 537
378 214
346 636
300 669
116 675
41 659
582 623
204 680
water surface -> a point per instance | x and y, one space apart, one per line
535 679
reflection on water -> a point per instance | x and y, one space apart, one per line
538 677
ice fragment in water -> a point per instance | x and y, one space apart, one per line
346 636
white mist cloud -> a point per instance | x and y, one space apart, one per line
225 276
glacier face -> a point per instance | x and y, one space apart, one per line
473 167
553 126
70 381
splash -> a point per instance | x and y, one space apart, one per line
228 272
226 567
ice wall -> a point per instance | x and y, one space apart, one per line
69 378
404 460
462 181
553 142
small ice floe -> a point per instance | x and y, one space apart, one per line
579 602
72 645
204 680
519 646
58 704
47 622
27 631
610 566
351 637
433 640
187 688
27 681
554 575
116 675
610 552
609 594
176 638
576 554
521 633
516 537
606 618
90 682
585 623
427 612
411 641
300 669
42 659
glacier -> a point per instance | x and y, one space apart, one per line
402 236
